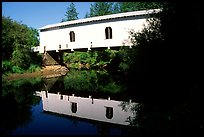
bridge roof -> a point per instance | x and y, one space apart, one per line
98 18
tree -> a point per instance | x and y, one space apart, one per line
34 35
21 56
7 38
135 6
71 13
106 8
164 58
116 7
100 9
17 40
86 15
165 72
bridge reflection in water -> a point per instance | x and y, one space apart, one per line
103 110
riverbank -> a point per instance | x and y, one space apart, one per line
45 72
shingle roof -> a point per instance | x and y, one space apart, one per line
106 17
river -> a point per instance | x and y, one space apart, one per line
92 102
81 102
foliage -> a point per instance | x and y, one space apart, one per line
164 72
82 57
106 8
163 61
17 40
100 8
33 68
34 35
16 69
15 34
21 56
7 40
6 66
92 80
135 6
36 59
93 59
76 58
111 87
116 7
150 33
71 13
79 81
109 59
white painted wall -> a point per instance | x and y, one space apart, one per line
95 33
85 108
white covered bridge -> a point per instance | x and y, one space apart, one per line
95 32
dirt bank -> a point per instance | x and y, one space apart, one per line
45 72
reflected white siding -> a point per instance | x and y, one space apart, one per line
85 108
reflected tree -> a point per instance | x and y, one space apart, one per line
151 119
91 81
17 100
103 129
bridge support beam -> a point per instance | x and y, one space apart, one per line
52 58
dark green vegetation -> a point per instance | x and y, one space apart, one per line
17 40
17 100
163 70
166 73
88 82
112 60
94 81
106 8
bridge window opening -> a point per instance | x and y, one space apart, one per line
74 107
108 32
72 36
109 112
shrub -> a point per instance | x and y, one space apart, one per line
111 87
123 67
33 68
16 69
6 66
21 56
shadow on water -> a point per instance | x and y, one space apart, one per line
17 100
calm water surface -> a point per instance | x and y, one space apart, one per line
82 102
95 103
